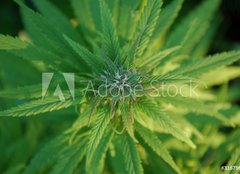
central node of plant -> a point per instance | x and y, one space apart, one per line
119 84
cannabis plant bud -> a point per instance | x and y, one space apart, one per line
124 49
120 84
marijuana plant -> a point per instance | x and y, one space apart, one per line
140 79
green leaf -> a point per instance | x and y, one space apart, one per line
126 18
145 29
153 141
199 20
96 163
97 133
203 46
27 92
155 118
70 157
58 19
155 60
10 43
131 156
116 157
34 29
202 66
86 11
157 82
51 37
109 36
196 106
182 120
166 19
127 118
43 160
28 75
49 31
94 62
36 107
221 76
35 53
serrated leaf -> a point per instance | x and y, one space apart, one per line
131 156
46 28
116 157
127 118
28 75
127 17
35 53
166 19
56 17
221 76
10 43
153 61
202 47
42 160
36 107
202 15
154 142
70 157
109 36
97 133
185 124
27 92
94 62
145 29
85 12
154 83
195 105
96 163
53 37
157 118
202 66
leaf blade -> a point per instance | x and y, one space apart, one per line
131 156
110 39
153 141
145 29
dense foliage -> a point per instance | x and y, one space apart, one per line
145 97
